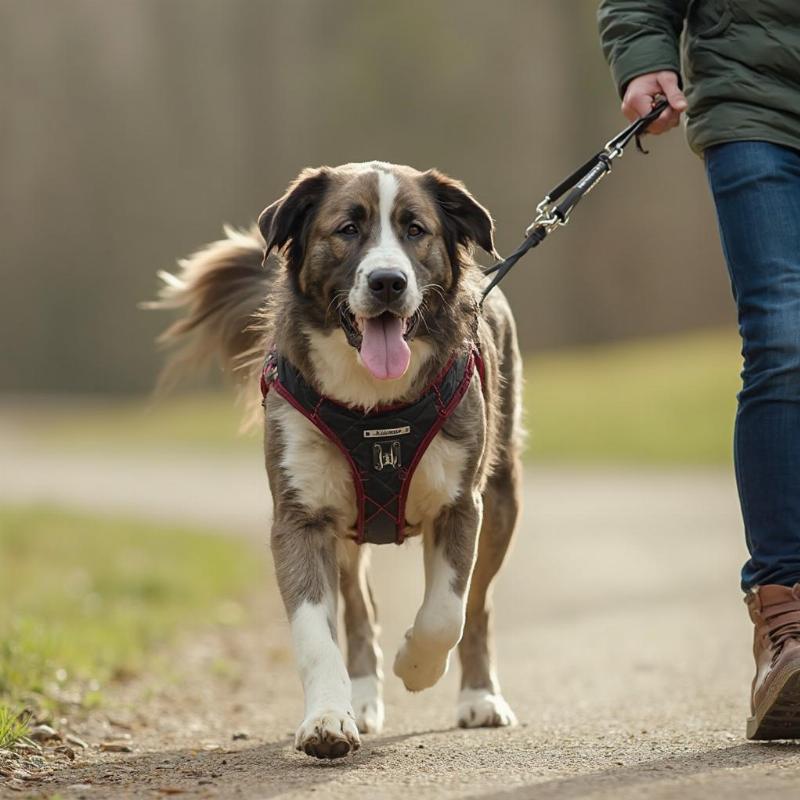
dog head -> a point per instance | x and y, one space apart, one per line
371 246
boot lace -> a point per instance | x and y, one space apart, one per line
783 624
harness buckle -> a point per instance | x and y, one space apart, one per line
269 372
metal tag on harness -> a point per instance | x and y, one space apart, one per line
386 454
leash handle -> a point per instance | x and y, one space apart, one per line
639 126
551 214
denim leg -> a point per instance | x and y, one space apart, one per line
756 188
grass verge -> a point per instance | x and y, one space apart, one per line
86 598
664 401
210 421
660 401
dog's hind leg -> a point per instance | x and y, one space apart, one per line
449 557
480 702
304 551
364 658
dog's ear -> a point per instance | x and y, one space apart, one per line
285 224
465 221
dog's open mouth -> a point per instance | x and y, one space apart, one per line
382 341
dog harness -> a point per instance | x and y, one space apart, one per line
384 446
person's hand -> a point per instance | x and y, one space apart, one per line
641 93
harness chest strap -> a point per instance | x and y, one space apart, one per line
382 447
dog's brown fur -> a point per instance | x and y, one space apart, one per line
238 309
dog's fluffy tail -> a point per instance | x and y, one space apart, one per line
220 290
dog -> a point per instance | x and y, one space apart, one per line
357 297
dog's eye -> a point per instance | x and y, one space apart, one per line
415 231
349 229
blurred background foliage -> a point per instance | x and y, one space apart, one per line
134 128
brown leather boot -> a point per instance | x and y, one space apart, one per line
775 702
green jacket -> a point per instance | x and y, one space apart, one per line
741 62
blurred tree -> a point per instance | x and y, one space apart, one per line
133 129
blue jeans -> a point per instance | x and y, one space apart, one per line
756 188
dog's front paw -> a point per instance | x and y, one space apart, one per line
328 734
479 708
419 667
368 704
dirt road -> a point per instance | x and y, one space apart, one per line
622 638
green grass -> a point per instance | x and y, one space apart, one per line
200 421
85 599
660 401
668 400
12 727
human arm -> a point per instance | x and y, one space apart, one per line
640 40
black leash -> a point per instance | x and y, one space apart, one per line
550 214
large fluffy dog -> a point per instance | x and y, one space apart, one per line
362 280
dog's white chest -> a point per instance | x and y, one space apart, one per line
317 470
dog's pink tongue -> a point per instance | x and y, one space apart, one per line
384 351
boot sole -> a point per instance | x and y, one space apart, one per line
778 714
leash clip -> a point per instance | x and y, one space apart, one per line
545 217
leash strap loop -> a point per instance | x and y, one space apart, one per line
583 187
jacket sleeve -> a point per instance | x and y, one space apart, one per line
640 36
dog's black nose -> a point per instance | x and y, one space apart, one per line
387 284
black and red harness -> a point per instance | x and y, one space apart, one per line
384 446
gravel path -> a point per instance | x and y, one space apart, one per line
623 644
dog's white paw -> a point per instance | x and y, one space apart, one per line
328 734
419 667
367 704
479 708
